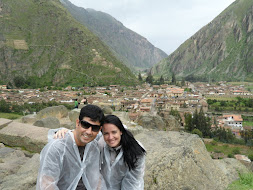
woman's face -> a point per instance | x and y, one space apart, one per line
112 135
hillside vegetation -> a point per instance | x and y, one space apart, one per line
41 43
222 50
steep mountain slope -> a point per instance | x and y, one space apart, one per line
134 50
41 42
222 50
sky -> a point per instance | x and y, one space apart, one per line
164 23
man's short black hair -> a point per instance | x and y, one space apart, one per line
94 112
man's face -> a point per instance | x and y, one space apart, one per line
82 135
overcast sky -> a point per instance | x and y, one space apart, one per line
165 23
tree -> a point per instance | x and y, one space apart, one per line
173 81
161 80
188 122
4 107
19 81
176 114
183 82
149 78
140 77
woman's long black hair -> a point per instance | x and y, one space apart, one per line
131 148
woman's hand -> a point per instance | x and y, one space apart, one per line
61 133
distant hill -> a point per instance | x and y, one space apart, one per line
42 44
134 50
222 50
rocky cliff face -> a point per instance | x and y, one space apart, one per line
222 50
45 45
134 50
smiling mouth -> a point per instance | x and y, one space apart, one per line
86 136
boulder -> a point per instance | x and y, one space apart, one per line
29 118
69 125
54 111
230 167
171 123
49 122
4 122
30 137
74 114
178 160
10 161
107 109
25 178
149 121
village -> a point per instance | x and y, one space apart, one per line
143 98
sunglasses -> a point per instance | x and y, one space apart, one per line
87 125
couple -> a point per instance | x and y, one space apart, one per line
82 160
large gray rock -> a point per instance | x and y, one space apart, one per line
74 115
25 178
4 122
107 109
149 121
54 111
30 137
171 123
49 122
29 118
177 161
10 161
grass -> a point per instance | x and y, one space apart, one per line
248 123
244 183
221 98
11 116
228 149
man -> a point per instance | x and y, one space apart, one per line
73 162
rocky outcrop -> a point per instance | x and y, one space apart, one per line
148 121
30 137
107 109
49 122
171 123
74 115
177 161
54 111
4 122
10 161
29 118
17 171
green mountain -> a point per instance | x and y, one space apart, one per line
134 50
42 44
222 50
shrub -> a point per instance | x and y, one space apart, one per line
230 155
236 151
198 132
214 142
250 156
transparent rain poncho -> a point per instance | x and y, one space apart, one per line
61 166
118 176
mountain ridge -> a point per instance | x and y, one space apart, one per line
44 45
133 49
221 50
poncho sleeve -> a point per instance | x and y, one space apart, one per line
134 178
50 167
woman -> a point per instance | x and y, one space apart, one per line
122 157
